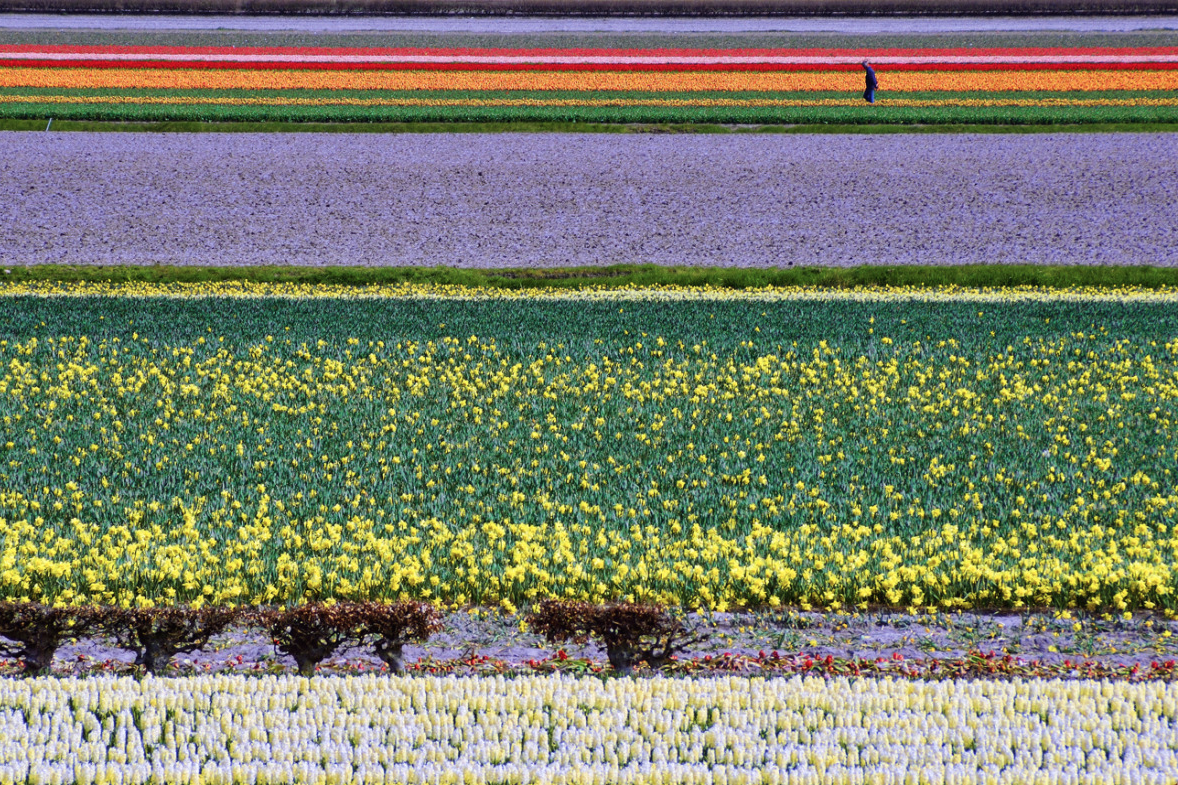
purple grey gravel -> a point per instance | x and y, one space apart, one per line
515 200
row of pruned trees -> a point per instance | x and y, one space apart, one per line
312 632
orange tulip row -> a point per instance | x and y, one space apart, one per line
587 81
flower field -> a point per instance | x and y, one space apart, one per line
560 729
606 85
242 444
252 444
644 534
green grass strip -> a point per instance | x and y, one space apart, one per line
198 126
847 115
1046 276
854 93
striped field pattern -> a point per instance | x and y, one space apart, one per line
1042 85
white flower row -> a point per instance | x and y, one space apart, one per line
563 729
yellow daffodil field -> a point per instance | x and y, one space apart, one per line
238 444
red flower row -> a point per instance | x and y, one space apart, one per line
974 665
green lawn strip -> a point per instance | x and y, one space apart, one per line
855 114
589 40
201 126
621 276
196 126
98 117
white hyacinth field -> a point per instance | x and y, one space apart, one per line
564 729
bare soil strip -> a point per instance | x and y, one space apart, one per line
498 25
566 200
585 40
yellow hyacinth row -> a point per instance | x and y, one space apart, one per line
648 81
591 293
558 730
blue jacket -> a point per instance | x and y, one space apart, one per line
872 84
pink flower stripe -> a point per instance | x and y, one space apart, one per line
610 66
1053 54
581 60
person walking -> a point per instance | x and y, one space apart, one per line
872 83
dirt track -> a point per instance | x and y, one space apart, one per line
570 199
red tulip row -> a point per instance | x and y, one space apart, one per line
973 665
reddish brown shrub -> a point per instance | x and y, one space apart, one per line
396 624
158 634
631 633
35 631
311 633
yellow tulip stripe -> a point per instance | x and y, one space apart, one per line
583 731
488 450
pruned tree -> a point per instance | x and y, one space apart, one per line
312 632
631 633
35 631
396 624
158 634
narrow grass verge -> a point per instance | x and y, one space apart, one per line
623 275
42 124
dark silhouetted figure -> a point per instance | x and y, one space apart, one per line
872 84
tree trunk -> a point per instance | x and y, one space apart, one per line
391 653
306 665
153 658
38 657
621 659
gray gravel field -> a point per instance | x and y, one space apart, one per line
511 200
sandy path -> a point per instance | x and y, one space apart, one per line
496 25
509 200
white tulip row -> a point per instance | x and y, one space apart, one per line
563 729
